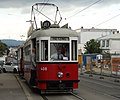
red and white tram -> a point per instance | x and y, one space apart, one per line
56 56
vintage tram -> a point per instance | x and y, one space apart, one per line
56 56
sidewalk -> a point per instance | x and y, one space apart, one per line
104 72
10 88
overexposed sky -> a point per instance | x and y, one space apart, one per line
103 14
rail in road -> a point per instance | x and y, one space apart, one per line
77 96
49 96
80 94
64 95
105 88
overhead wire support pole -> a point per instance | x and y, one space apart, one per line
56 15
44 4
35 21
32 13
60 16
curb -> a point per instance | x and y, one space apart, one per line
27 94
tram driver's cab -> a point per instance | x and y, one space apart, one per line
59 51
56 49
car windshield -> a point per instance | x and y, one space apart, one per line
1 62
8 63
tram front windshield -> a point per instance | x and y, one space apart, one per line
59 51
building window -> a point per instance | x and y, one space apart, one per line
27 50
107 43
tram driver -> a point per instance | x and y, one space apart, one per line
59 55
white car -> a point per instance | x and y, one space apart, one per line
10 67
1 64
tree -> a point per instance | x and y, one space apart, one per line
3 48
92 46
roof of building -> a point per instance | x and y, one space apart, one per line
95 30
111 36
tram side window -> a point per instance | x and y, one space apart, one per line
44 50
27 50
74 50
37 51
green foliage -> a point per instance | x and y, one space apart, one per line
92 46
3 48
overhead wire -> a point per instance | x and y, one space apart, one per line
44 5
84 9
107 20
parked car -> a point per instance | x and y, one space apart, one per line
1 65
2 62
0 68
10 67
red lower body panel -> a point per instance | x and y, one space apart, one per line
48 79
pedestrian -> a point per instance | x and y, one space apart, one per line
33 67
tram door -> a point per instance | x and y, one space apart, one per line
21 63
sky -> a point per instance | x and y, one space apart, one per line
102 14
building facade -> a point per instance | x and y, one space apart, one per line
86 34
110 44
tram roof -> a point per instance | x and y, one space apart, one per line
56 32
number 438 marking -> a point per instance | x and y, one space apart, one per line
43 69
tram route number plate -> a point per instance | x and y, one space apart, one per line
43 68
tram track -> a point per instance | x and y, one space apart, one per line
44 97
71 93
104 92
77 96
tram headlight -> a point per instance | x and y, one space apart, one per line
60 74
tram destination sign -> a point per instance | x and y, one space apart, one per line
59 39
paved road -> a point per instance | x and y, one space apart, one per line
10 88
94 88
